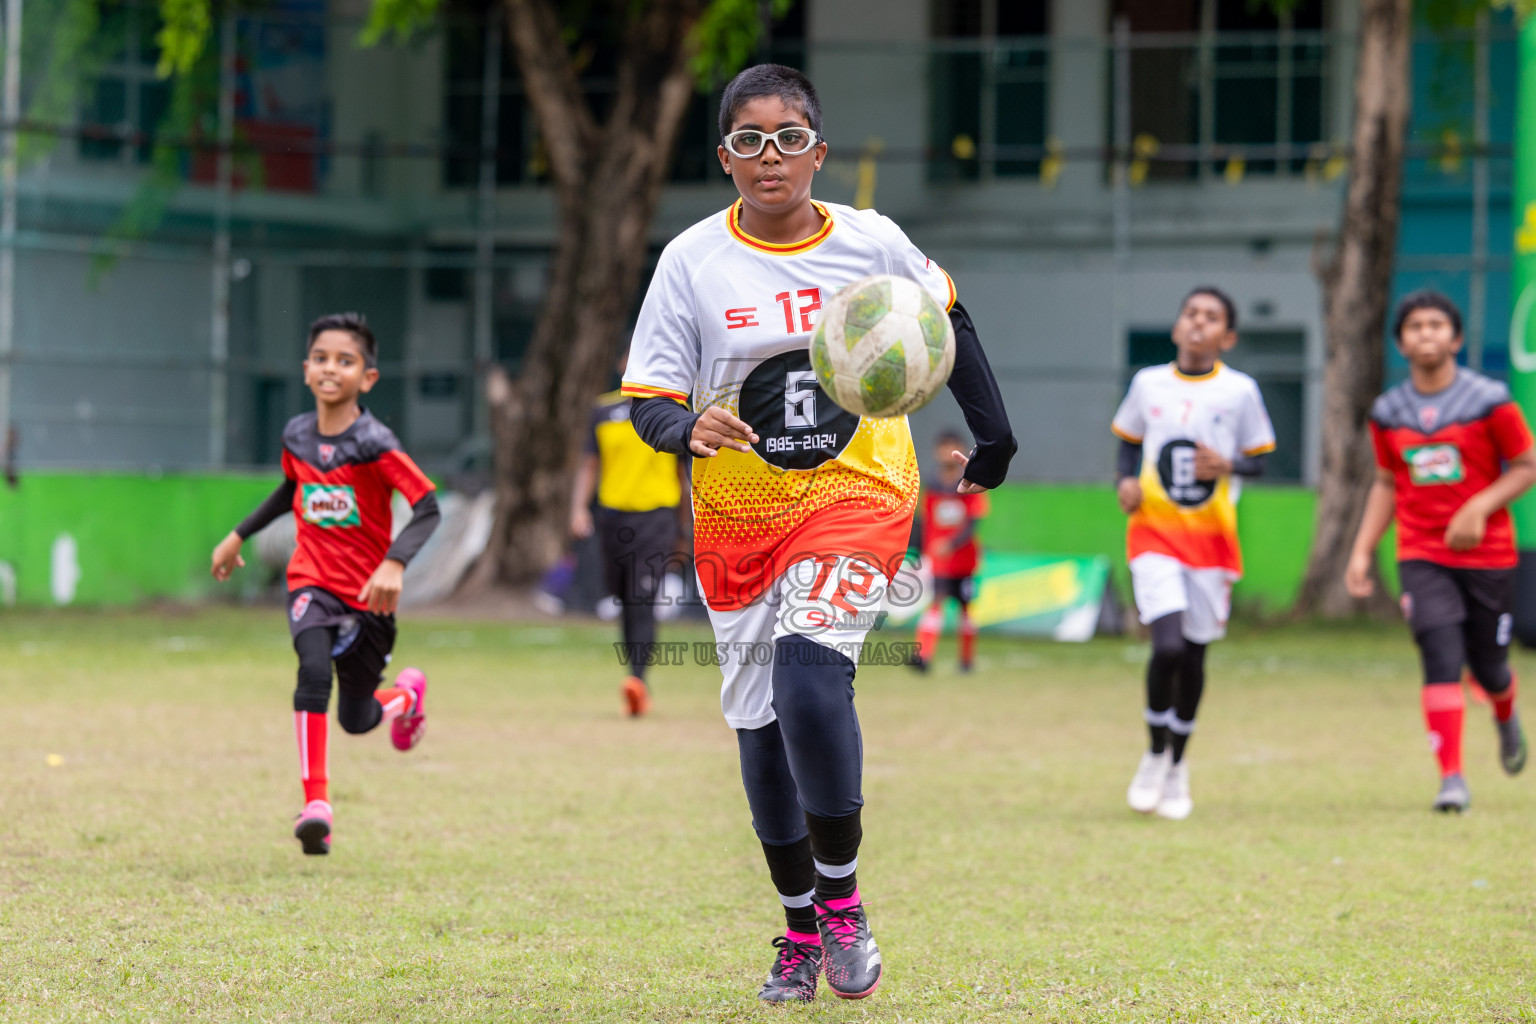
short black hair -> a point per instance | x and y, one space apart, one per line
354 324
1221 297
1424 298
760 80
949 436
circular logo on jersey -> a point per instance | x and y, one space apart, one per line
949 512
1176 470
798 426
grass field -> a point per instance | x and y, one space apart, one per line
541 858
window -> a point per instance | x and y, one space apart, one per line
127 96
1268 90
990 88
1225 73
464 48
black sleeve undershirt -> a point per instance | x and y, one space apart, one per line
424 519
1128 462
1250 466
981 403
276 503
1127 459
664 424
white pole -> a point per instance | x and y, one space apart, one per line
485 238
218 377
10 108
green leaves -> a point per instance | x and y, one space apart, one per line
399 19
183 35
727 34
1522 8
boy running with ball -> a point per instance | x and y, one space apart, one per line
340 466
1452 451
802 511
1189 431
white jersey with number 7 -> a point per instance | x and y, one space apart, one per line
1168 413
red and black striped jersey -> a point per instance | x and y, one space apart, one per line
1441 450
342 488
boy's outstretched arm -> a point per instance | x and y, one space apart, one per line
226 556
975 388
382 591
1379 507
1468 525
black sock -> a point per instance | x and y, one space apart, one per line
794 876
835 847
1176 742
1187 703
1163 676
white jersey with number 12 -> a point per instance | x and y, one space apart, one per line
727 322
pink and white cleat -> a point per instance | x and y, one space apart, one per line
313 827
407 730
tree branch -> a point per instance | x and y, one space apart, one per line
565 124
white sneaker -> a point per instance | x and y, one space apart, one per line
1146 788
1175 804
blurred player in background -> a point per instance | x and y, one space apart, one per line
340 467
802 510
638 492
951 549
1189 432
1452 451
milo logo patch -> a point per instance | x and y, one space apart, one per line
1435 464
330 505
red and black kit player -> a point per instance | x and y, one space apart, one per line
340 468
1452 451
951 550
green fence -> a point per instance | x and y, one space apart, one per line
107 539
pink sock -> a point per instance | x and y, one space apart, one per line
846 901
811 938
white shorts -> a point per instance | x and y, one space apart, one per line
1164 585
833 600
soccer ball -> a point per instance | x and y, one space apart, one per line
883 347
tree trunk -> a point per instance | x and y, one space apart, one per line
1357 285
607 179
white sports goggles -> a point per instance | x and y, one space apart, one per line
789 141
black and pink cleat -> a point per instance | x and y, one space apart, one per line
313 828
850 958
407 730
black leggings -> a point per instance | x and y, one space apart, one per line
1445 649
357 710
637 546
1176 673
